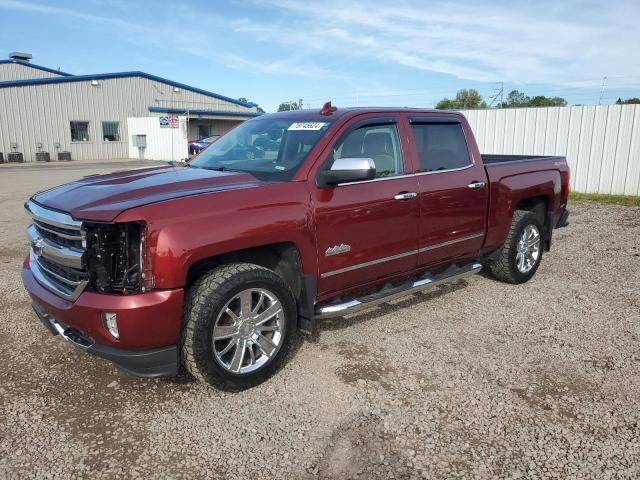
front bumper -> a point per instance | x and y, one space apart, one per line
142 363
148 323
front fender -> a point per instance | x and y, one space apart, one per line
184 231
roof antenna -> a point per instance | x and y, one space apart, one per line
327 109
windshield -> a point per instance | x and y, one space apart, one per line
268 148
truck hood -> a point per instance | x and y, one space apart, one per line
104 197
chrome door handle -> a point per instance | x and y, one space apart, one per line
406 196
476 185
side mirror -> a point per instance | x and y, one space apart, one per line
347 170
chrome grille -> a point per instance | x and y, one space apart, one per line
58 244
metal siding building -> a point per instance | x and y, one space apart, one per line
21 70
36 112
601 143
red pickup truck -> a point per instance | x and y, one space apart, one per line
289 218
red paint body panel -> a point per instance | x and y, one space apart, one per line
185 230
514 182
145 321
194 214
103 197
366 217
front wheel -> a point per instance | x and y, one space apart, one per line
238 323
521 253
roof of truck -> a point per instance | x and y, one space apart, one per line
315 114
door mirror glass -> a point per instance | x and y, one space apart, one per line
347 170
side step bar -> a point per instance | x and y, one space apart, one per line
425 283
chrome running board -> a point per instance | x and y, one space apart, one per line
386 295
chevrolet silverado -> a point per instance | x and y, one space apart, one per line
215 264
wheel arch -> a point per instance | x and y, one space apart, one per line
541 206
284 259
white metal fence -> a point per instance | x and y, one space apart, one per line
601 143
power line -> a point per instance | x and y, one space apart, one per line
499 92
604 83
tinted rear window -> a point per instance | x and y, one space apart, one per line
440 146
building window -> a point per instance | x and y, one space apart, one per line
111 131
204 131
79 131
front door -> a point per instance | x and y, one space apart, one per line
453 192
367 230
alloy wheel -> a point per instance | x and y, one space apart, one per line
248 331
528 249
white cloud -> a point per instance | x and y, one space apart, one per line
569 43
518 42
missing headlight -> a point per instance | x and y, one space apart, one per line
114 256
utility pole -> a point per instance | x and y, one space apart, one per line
498 92
604 84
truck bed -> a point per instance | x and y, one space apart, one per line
510 176
489 159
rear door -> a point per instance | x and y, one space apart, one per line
453 190
366 230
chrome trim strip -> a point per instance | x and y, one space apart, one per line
38 272
55 232
395 177
66 281
400 255
367 264
419 174
60 329
385 296
57 219
407 175
60 254
451 242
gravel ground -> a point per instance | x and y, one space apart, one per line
476 380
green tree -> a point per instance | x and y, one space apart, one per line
465 99
628 101
286 106
246 100
542 101
517 99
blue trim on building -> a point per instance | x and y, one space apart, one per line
37 67
107 76
219 113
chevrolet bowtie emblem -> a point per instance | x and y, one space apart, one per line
38 247
337 249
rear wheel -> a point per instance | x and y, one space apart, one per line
238 323
521 253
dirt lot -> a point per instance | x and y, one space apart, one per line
476 380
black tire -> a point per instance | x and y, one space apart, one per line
504 267
205 300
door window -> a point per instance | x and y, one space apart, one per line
440 146
378 142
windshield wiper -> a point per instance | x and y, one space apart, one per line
222 169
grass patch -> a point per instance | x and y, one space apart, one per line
626 200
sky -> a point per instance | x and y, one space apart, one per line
353 52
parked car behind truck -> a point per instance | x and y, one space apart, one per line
196 146
217 264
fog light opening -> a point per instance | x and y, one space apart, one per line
110 322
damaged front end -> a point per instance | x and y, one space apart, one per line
116 257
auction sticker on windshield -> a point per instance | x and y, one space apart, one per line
306 126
